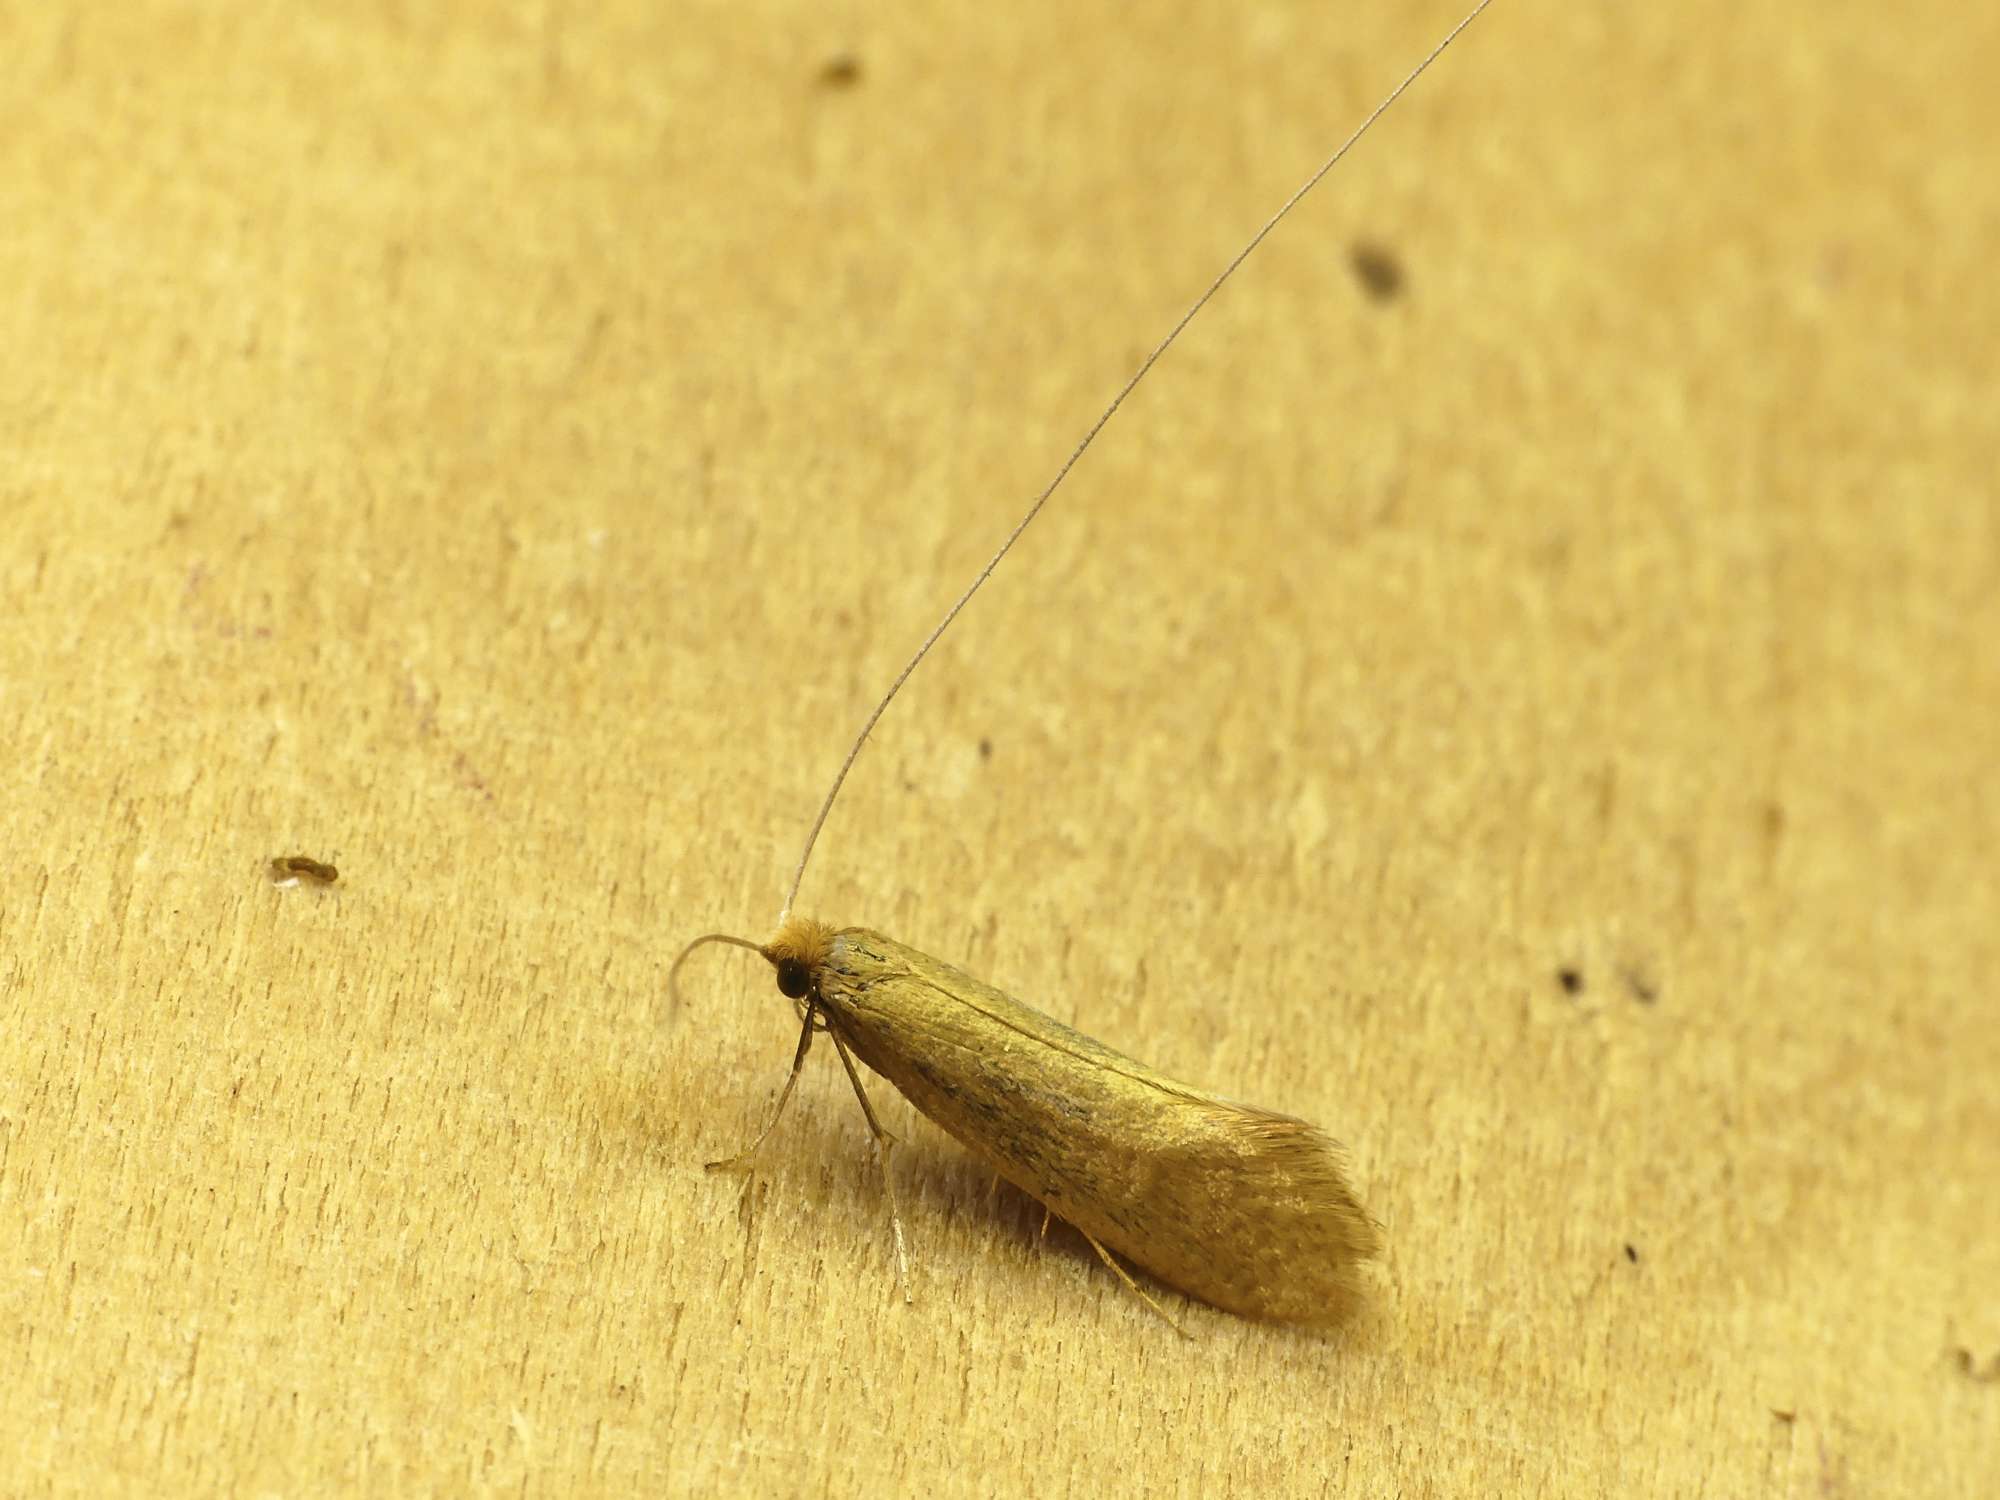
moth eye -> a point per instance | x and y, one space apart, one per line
794 979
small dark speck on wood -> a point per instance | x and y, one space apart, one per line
840 71
1378 270
1968 1366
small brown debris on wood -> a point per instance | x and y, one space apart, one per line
290 869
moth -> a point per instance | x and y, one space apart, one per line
1241 1207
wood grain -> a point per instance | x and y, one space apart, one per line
1541 718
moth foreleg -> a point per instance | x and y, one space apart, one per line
742 1158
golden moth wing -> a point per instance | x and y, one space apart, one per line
1244 1208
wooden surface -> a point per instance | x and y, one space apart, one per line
1540 726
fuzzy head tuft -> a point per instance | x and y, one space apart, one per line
798 952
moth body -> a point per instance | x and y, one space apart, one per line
1243 1208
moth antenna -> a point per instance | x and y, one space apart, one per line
867 727
674 974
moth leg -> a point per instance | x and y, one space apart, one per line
742 1158
883 1141
1049 1213
1147 1297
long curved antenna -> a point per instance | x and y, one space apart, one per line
674 974
826 807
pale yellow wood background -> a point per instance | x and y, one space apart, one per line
501 450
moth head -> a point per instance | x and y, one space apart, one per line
801 948
798 952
